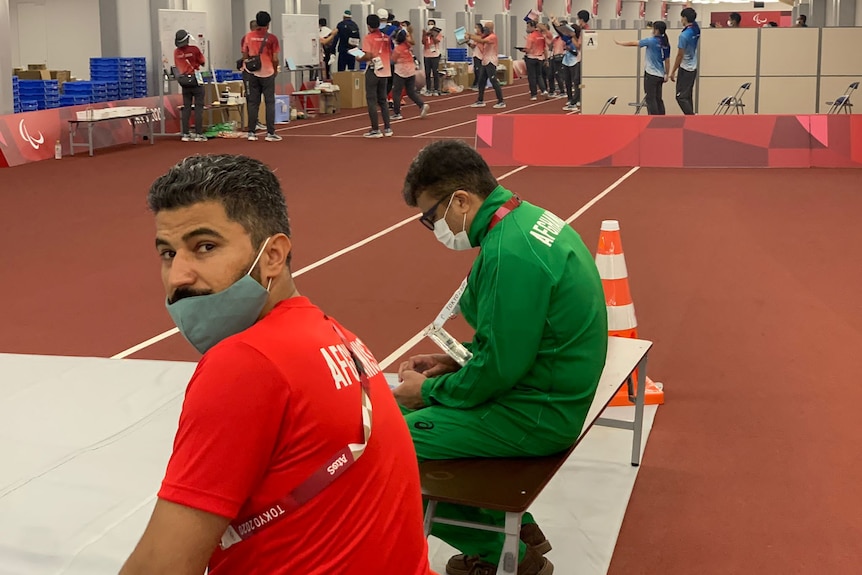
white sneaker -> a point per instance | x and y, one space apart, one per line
396 117
477 105
273 138
388 132
373 134
424 111
200 138
533 98
500 105
187 138
252 137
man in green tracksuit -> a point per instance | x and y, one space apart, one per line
535 301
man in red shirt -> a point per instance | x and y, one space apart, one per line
188 60
537 44
488 71
377 50
292 455
261 43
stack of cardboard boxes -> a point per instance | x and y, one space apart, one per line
41 72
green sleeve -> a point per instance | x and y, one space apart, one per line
510 320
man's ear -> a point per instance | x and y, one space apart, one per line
463 201
274 259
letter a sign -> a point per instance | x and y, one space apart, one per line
591 40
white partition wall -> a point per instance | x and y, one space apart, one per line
728 59
840 65
790 70
609 70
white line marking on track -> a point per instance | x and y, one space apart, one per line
446 111
413 341
443 100
508 111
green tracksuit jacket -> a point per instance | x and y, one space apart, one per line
535 301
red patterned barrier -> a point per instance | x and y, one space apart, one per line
672 141
30 136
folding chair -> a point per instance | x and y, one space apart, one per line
611 102
842 102
638 105
734 102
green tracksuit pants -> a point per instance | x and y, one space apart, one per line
486 431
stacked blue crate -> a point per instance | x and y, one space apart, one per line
457 55
124 78
140 71
45 93
29 105
16 96
84 93
223 75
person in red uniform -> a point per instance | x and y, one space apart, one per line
377 51
189 59
292 455
260 42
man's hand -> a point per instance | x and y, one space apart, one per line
429 365
673 76
409 393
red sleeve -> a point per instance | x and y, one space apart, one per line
201 60
179 61
366 44
276 47
232 413
243 44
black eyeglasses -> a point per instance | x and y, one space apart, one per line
427 218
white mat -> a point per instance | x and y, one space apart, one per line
84 443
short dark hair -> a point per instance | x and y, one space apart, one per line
247 188
736 16
689 14
373 21
584 15
321 22
445 166
263 18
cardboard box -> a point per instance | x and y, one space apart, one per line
34 75
351 87
37 67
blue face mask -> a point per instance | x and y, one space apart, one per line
205 320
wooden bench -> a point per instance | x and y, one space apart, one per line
512 484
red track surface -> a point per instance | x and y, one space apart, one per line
745 280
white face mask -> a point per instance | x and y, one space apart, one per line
445 235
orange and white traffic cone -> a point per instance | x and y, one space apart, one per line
622 321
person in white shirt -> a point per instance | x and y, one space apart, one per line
432 43
327 37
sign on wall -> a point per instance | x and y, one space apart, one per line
754 18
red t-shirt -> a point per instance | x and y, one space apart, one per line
187 59
402 57
378 44
252 42
264 410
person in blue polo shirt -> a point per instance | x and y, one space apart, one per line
686 62
656 66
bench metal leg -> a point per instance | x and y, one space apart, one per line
509 558
639 412
429 516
